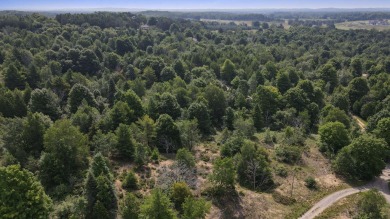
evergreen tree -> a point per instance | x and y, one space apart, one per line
195 208
134 102
125 146
229 119
130 207
258 118
33 76
157 206
121 114
99 190
13 78
383 129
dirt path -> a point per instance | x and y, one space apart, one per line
360 122
379 183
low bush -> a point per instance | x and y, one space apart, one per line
310 183
282 199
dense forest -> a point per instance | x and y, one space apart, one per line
123 115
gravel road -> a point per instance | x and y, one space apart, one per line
379 183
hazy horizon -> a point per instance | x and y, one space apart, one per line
190 5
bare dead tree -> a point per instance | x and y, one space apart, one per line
166 143
258 175
252 171
177 172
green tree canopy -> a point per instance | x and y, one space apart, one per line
22 195
223 176
65 154
13 78
283 82
268 98
179 192
195 208
121 113
228 71
253 168
134 102
46 102
356 67
334 136
329 74
216 103
357 88
168 134
383 129
77 94
198 111
363 158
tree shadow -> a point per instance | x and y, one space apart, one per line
230 204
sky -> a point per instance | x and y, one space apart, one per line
188 4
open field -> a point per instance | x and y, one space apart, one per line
361 25
247 23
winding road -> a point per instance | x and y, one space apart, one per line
379 183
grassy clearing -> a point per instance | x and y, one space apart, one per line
313 164
360 25
252 204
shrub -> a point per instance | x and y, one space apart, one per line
130 181
282 199
179 192
268 137
288 154
281 171
310 183
185 157
155 155
372 205
232 146
195 208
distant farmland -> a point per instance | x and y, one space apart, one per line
355 25
246 23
